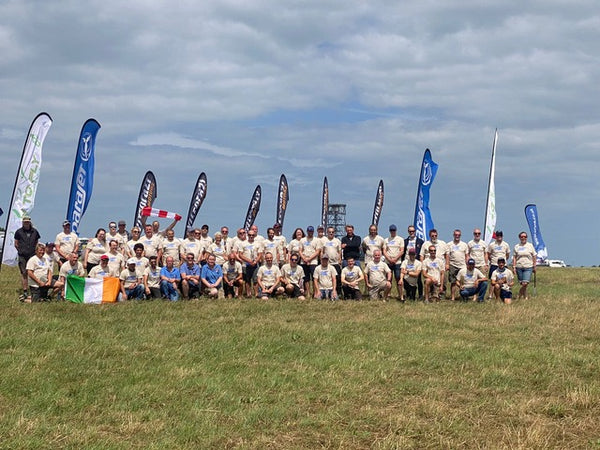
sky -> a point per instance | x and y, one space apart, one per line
355 91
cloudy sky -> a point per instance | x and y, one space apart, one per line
351 90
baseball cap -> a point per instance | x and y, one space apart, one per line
66 222
393 227
49 244
324 257
310 228
471 261
26 219
122 222
131 261
104 258
277 225
204 227
412 251
320 227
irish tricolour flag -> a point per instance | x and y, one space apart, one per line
92 290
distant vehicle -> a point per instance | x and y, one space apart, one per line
556 263
82 244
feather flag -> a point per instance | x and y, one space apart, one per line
198 197
82 182
324 203
26 183
378 204
253 208
148 193
423 221
283 197
490 207
531 215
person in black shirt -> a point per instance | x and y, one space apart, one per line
350 246
26 240
412 241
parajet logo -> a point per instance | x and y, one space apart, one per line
86 149
426 173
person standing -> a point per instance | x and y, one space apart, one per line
393 251
372 242
433 275
412 241
524 263
351 244
410 273
26 241
497 249
456 259
66 242
478 251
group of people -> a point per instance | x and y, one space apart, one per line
153 263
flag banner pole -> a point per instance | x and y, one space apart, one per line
531 215
25 187
324 203
198 196
82 182
283 197
253 208
422 220
490 206
146 197
378 207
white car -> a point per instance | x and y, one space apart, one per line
556 263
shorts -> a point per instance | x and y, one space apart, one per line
309 270
23 264
249 273
452 274
524 274
295 293
505 294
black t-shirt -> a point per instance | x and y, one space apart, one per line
352 248
28 239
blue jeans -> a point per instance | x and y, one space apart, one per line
479 290
169 291
136 293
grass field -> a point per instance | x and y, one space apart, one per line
289 374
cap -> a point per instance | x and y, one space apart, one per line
26 219
66 222
277 225
320 227
204 227
471 261
131 261
310 228
393 227
412 251
104 258
49 244
122 222
324 257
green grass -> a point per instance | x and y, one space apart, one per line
289 374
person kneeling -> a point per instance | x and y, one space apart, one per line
502 282
212 278
269 278
472 282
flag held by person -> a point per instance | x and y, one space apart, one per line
148 211
92 290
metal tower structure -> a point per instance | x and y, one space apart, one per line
336 218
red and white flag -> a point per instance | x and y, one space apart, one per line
155 212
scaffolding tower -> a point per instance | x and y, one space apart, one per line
336 218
